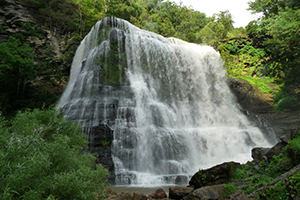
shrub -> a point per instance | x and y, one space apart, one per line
42 157
229 189
278 191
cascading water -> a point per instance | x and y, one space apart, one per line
167 102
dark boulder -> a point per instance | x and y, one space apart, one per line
122 196
179 192
275 150
258 153
238 195
218 174
159 194
208 193
139 196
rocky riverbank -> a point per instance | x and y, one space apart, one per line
221 182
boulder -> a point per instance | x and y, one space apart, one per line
178 192
139 196
122 196
208 193
159 194
238 195
218 174
258 153
275 150
288 137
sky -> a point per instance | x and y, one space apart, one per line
237 8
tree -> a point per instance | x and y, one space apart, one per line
16 70
88 13
265 7
284 44
269 7
41 157
224 18
211 32
278 33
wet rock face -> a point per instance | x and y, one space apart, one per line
259 108
100 139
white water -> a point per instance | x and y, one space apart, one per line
172 112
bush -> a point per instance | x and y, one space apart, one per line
229 189
42 157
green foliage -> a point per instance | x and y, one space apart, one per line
250 178
219 27
42 157
294 183
277 33
278 191
33 30
3 27
261 83
242 59
55 13
238 174
16 70
229 189
266 7
285 103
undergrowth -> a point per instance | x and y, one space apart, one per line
41 157
243 60
250 177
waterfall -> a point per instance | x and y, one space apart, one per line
166 100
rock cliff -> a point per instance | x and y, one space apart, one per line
259 108
53 49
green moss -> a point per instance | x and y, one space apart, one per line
103 34
112 64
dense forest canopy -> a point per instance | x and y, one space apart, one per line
163 17
270 45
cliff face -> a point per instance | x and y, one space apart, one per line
53 49
259 108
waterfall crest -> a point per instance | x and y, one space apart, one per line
166 100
